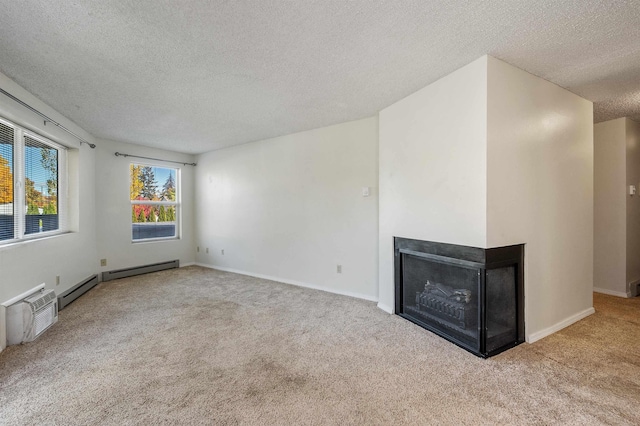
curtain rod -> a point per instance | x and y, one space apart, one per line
46 119
120 154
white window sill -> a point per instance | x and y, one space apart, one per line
154 240
24 241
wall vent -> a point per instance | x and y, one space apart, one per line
76 291
138 270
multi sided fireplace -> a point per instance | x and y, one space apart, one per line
471 296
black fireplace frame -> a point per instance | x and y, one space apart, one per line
471 258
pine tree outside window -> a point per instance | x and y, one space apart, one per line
155 207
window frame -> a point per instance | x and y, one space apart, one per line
177 203
19 187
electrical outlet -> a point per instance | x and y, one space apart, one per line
103 262
198 249
222 252
57 279
207 250
339 269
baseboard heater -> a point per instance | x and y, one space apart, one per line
76 291
139 270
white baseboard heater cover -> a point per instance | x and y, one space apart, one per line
76 291
28 319
138 270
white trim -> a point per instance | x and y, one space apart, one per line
44 140
19 196
534 337
63 191
154 203
3 327
23 295
154 240
48 235
291 282
611 292
385 308
183 265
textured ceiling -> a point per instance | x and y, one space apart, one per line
194 76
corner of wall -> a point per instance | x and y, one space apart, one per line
388 309
52 253
540 191
432 167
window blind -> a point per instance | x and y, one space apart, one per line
7 223
41 186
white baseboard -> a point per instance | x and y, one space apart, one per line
388 309
611 292
534 337
291 282
182 265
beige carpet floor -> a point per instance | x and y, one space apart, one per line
198 346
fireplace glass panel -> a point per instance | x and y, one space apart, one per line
501 307
444 296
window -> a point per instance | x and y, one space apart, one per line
32 184
155 195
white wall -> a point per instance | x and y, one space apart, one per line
291 208
633 207
113 209
540 191
610 207
71 256
433 167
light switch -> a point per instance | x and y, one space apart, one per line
632 190
366 191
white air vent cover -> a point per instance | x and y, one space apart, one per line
28 319
39 300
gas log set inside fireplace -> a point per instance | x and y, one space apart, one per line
445 304
470 296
